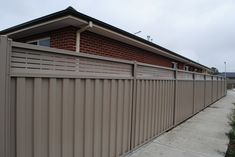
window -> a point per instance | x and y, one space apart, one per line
174 65
186 68
41 42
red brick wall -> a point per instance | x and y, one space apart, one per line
64 38
99 45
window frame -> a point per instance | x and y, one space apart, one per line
174 65
38 41
186 68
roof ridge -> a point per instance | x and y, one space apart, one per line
70 8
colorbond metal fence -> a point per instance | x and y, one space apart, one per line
57 103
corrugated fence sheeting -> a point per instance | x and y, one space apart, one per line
58 103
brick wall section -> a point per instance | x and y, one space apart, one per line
64 38
99 45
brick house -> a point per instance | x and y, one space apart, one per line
74 31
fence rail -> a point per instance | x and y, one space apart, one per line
58 103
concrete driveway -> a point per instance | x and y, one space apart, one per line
201 136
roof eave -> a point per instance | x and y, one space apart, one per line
72 12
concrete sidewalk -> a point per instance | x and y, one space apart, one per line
201 136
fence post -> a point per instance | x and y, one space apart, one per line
217 92
175 97
212 84
204 90
194 93
225 86
133 110
5 132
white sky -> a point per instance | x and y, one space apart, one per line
202 30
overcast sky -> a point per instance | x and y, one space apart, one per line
202 30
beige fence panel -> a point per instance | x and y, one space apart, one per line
199 93
184 104
72 117
208 93
74 106
223 87
219 88
214 89
58 103
154 102
154 109
185 96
